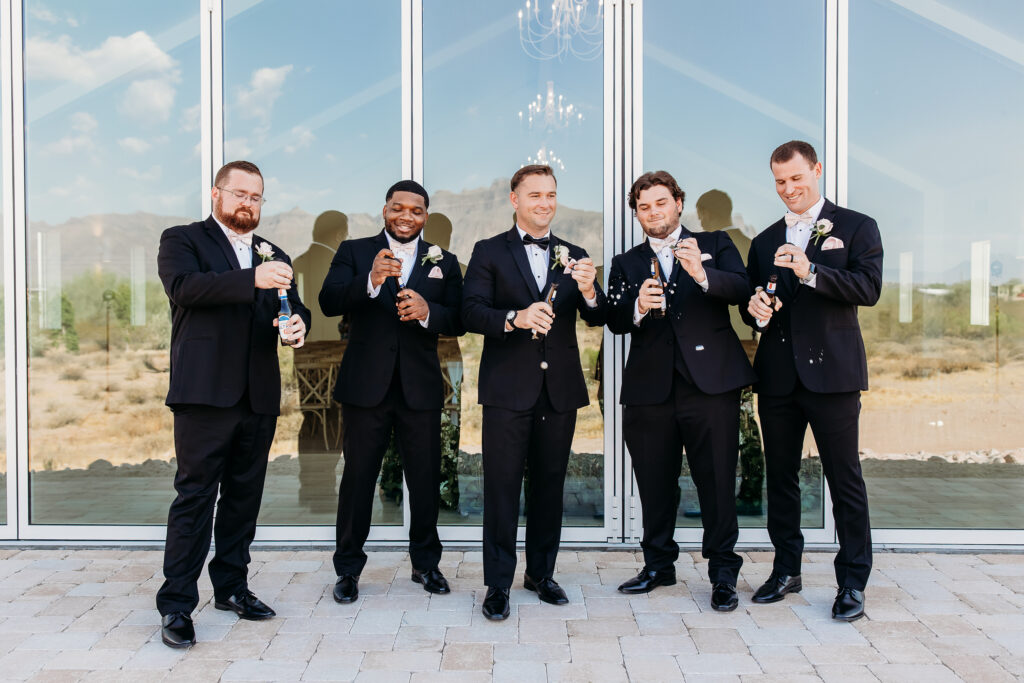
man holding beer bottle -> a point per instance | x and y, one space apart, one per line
681 386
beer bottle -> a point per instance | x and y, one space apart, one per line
656 274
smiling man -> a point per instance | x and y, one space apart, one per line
399 294
811 368
530 385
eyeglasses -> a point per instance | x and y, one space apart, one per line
243 197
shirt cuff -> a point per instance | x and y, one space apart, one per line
812 281
423 323
370 289
637 315
591 302
704 285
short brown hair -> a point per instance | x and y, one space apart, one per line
787 151
649 180
532 169
243 166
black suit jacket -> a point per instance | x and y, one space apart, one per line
378 340
498 280
222 336
696 322
815 335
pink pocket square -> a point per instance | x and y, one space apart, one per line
705 257
435 272
832 243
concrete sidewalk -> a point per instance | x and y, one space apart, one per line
69 615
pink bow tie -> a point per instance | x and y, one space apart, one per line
245 239
403 251
657 245
792 218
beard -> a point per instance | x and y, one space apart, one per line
401 240
243 220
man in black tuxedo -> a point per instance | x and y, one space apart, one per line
399 293
530 388
225 393
681 386
811 367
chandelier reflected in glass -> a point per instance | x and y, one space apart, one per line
546 157
570 29
550 112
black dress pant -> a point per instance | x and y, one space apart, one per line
707 425
834 422
538 438
366 438
216 448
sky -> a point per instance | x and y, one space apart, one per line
312 94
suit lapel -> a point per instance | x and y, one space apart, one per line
518 250
553 274
416 274
787 280
222 241
828 212
389 286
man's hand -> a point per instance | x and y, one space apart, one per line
793 257
385 265
759 306
688 254
273 275
296 331
537 317
650 296
411 306
584 273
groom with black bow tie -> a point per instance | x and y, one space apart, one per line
531 381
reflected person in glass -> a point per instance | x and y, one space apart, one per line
399 293
811 368
530 388
225 393
682 381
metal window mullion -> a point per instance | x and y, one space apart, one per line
613 509
211 98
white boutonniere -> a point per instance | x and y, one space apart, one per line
559 256
265 251
434 254
821 229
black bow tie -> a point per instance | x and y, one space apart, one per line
542 243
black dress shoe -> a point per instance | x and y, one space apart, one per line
547 590
433 580
776 587
723 597
346 588
849 605
246 606
496 604
176 630
649 579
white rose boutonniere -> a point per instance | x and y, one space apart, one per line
434 254
265 251
821 229
559 256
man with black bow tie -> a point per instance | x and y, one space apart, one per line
530 387
681 386
399 294
811 368
225 393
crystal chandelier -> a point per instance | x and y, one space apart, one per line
550 112
568 30
546 157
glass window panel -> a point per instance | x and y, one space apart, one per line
112 159
317 106
492 104
936 96
719 96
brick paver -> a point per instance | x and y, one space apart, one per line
88 615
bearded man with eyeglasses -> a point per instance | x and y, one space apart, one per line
225 393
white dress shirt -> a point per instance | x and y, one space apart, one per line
407 264
243 252
538 258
